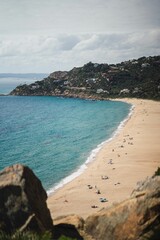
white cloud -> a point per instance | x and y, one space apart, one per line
43 36
63 52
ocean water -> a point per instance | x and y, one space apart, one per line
54 136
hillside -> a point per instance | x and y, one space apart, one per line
138 78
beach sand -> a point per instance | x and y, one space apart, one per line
130 157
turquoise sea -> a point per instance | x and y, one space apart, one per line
54 136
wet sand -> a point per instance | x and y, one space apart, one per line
129 158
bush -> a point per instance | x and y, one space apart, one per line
25 236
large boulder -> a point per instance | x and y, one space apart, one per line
136 218
23 207
23 201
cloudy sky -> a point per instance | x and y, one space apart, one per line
50 35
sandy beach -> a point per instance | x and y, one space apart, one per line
130 157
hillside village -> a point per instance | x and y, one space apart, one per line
138 78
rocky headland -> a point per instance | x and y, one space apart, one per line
23 208
138 78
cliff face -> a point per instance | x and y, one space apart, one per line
134 78
23 207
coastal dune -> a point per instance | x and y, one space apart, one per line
130 157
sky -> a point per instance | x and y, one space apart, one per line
50 35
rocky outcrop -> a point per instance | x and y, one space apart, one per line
23 207
67 222
75 220
23 201
137 218
63 75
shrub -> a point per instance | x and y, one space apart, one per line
25 236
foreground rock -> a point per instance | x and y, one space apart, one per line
137 218
23 201
23 207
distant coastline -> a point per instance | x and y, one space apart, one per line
23 75
9 81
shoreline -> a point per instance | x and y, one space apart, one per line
130 156
91 157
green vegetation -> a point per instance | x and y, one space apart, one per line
134 78
25 236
